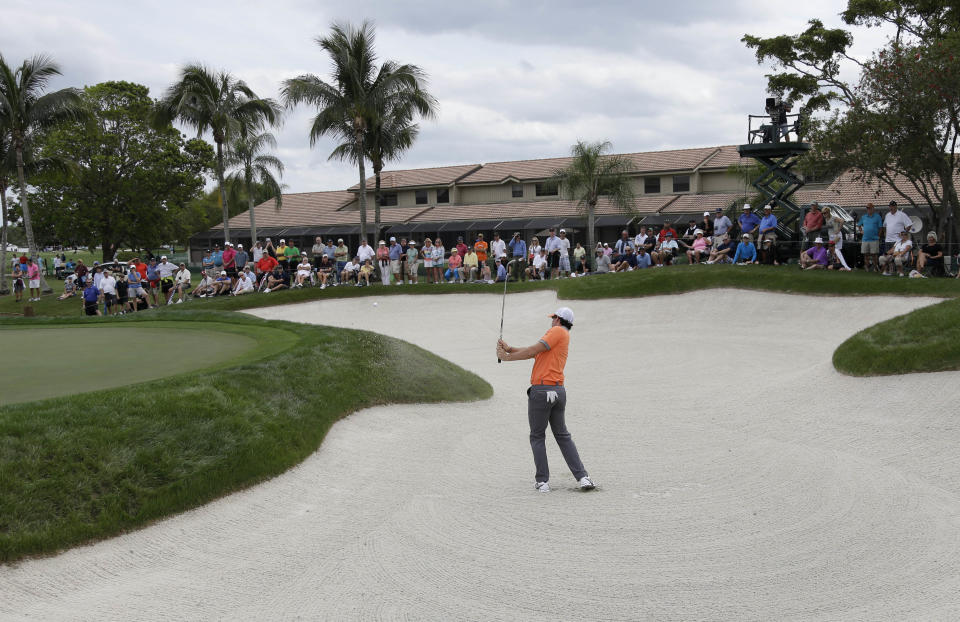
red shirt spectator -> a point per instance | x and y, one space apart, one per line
228 256
813 221
266 264
663 233
142 269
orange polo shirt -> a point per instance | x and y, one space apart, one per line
480 248
548 365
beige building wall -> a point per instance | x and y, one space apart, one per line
500 193
720 182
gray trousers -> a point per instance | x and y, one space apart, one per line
540 413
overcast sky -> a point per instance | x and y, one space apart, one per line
515 80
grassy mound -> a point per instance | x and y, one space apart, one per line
73 469
923 340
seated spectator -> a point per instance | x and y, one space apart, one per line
501 270
304 271
835 260
69 286
666 250
471 265
181 282
278 279
222 284
690 234
265 266
627 261
899 255
485 274
816 257
603 262
205 287
454 264
539 266
350 272
699 248
365 271
746 251
644 260
931 254
245 284
724 251
768 253
579 254
325 271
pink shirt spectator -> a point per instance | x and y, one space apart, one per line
455 261
699 243
228 256
33 272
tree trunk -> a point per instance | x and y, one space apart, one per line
253 221
27 223
363 189
3 240
590 255
376 204
223 193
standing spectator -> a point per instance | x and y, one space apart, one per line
721 227
461 247
453 267
470 266
18 284
518 253
816 257
33 279
229 261
122 292
58 266
153 280
440 257
108 292
707 227
256 253
603 262
564 254
894 222
768 225
480 247
413 262
293 255
426 254
746 251
341 255
135 290
552 246
91 296
396 253
748 221
665 231
166 269
281 251
218 257
498 247
365 252
181 281
269 249
812 223
97 274
534 249
207 262
241 259
870 224
899 255
403 258
931 254
317 251
383 262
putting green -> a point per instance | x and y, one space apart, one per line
44 362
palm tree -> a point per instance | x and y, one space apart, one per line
391 132
24 110
6 158
216 101
359 92
593 174
254 166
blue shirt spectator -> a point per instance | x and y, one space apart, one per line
518 248
91 293
769 221
746 251
330 251
501 272
748 221
395 251
870 224
643 260
218 258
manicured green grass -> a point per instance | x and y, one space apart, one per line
924 340
67 360
74 469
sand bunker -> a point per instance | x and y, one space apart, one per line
740 477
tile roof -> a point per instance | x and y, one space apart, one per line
725 157
846 191
317 208
439 176
692 203
532 209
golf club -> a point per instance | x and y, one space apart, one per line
503 303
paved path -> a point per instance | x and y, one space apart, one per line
740 477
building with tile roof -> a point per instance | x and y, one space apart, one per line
450 201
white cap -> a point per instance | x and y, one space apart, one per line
339 239
411 242
393 239
239 245
746 236
706 213
818 241
747 206
563 231
564 313
282 240
768 206
164 257
223 273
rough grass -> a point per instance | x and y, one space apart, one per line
94 465
924 340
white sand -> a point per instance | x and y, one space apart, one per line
740 477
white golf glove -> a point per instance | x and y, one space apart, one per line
551 397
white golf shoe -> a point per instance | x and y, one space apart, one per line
542 487
586 483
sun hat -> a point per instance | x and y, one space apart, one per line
564 313
412 242
382 242
698 232
454 250
818 241
904 232
607 245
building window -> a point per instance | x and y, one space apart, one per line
443 195
421 197
651 185
517 191
681 183
548 189
388 199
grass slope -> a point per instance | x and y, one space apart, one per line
97 464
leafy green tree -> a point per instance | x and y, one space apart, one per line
255 167
131 183
219 103
595 173
898 123
24 110
361 95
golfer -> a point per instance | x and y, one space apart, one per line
547 398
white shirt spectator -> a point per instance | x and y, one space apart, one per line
894 223
564 247
352 267
97 276
669 245
902 245
498 248
257 254
166 269
535 250
182 277
304 268
108 285
365 252
244 282
539 261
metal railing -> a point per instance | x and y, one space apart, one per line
769 130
